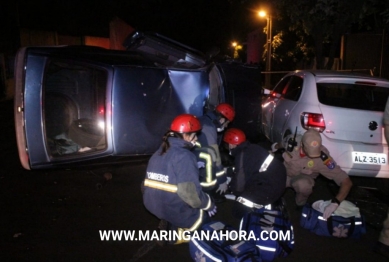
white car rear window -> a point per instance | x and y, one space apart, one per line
364 97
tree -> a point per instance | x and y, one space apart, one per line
324 20
291 50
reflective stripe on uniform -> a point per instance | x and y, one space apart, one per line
161 186
208 170
266 163
220 173
194 227
251 204
209 203
198 222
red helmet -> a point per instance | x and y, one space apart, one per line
234 136
185 123
226 110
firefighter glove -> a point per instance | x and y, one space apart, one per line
222 188
328 210
213 211
200 164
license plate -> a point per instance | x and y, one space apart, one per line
369 158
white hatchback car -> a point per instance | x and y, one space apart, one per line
346 108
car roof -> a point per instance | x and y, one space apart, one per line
95 55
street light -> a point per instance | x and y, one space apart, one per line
235 48
268 42
234 44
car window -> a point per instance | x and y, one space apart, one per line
74 108
281 85
293 89
353 96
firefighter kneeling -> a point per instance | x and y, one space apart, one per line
172 191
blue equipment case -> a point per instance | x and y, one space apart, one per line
334 226
273 230
222 249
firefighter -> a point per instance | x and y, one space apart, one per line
305 162
258 178
172 190
214 122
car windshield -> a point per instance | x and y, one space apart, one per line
353 96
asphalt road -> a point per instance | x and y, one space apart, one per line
57 215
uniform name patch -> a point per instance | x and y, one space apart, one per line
158 177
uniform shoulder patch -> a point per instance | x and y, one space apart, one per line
328 161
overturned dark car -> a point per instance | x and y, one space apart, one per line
79 105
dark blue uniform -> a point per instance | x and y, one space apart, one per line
207 167
208 134
262 188
208 140
172 189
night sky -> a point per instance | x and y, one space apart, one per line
197 23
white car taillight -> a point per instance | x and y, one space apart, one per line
311 120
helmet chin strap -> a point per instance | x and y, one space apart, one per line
192 140
220 129
230 149
217 124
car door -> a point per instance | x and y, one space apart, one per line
269 105
284 107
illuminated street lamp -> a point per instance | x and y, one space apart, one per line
268 42
235 48
234 44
